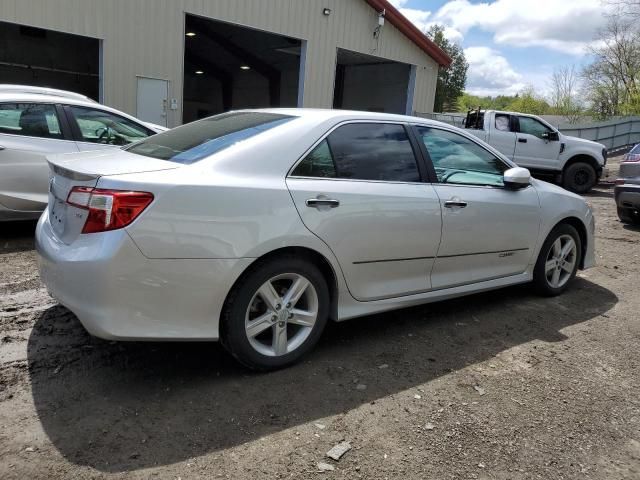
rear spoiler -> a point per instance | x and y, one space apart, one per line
67 173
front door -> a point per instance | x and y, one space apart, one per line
28 133
153 95
532 149
488 231
360 191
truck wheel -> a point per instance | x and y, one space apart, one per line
579 177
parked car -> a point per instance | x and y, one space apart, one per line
256 227
36 122
627 189
575 163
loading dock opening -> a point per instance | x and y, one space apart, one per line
229 66
46 58
365 82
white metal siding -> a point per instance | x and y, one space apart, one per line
146 38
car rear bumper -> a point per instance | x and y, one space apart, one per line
117 293
627 196
590 254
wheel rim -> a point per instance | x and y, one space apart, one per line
281 314
581 177
561 261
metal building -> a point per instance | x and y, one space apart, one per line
173 61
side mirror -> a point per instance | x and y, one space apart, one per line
551 136
517 178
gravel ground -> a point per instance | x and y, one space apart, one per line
502 385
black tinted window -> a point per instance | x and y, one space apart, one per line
318 163
195 141
373 151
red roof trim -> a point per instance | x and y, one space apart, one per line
411 31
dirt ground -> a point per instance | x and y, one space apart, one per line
502 385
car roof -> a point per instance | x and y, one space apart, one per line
28 89
321 114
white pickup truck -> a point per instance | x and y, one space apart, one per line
575 163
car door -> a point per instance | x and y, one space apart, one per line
533 150
502 134
28 133
488 231
95 128
361 191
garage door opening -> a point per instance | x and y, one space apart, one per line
364 82
46 58
228 67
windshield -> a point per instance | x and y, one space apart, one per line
195 141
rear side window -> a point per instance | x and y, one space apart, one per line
363 151
195 141
503 123
30 119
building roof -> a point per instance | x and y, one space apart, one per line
412 32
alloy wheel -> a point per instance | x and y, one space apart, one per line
561 261
281 314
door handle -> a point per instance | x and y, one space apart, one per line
522 140
322 202
455 204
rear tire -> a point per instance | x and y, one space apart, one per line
629 215
276 313
555 268
579 177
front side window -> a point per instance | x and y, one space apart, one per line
197 140
99 126
533 127
30 119
459 160
363 151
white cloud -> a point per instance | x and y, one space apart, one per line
568 26
490 73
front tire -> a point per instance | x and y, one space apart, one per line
276 313
558 261
579 177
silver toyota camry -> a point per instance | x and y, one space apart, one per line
257 227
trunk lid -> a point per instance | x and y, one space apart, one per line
84 170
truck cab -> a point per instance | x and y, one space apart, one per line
533 143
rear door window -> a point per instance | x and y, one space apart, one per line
195 141
363 151
30 119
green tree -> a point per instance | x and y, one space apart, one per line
452 79
528 102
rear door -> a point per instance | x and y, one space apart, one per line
532 150
28 133
95 129
488 231
502 134
361 191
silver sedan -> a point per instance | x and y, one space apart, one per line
257 227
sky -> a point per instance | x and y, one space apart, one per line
512 44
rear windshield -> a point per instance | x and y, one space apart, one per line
195 141
635 149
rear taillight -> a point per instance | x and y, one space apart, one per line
631 157
108 209
619 181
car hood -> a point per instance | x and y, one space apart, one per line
109 162
585 142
